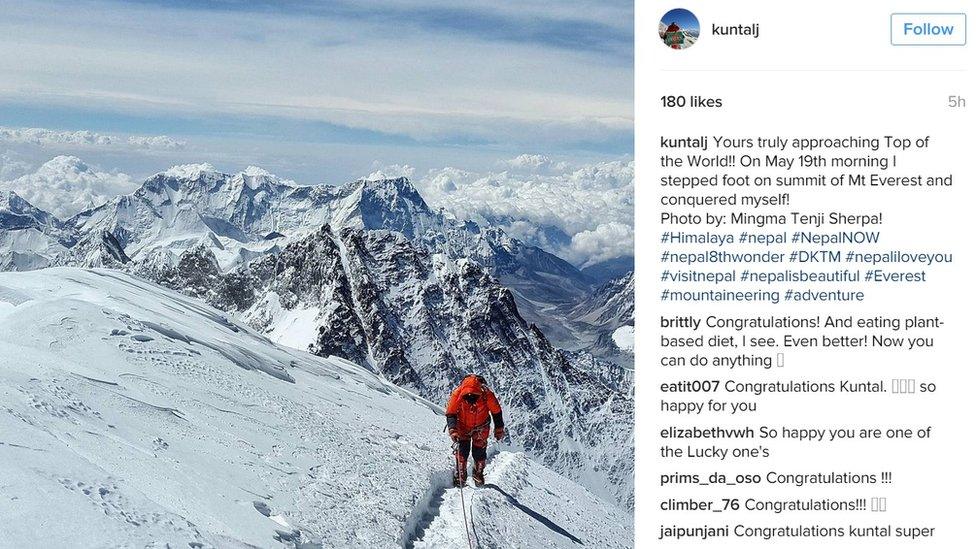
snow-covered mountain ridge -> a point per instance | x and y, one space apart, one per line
423 321
368 272
251 213
240 215
182 427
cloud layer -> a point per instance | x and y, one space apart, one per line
583 213
65 185
86 138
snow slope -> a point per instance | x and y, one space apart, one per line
131 416
505 512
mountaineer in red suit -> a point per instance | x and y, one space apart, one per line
470 413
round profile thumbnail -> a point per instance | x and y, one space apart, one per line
679 29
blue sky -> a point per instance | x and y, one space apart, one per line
684 18
323 91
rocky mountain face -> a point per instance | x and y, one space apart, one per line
98 249
29 236
542 284
368 272
423 321
609 314
246 214
18 214
615 451
610 306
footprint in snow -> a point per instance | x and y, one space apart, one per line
262 508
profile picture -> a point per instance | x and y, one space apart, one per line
679 29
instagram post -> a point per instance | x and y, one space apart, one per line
418 274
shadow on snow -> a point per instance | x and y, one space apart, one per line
543 520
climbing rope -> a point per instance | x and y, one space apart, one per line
464 513
464 508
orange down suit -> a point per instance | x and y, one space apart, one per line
472 420
470 412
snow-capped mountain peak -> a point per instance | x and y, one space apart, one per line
29 237
190 171
13 203
255 178
393 188
256 171
392 204
17 213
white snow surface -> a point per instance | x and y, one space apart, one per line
296 328
133 416
623 337
27 249
191 171
523 504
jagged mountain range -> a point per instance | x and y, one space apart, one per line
245 215
248 214
368 272
423 320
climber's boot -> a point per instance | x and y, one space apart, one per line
479 473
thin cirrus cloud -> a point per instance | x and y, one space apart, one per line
600 26
555 75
